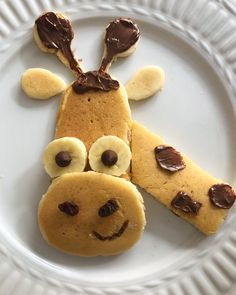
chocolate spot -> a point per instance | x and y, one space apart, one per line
222 196
168 158
183 202
108 209
63 159
94 80
113 236
56 33
69 208
121 34
109 158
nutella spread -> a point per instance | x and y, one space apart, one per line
168 158
222 196
55 32
121 35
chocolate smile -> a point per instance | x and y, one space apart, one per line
113 236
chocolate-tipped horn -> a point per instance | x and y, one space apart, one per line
120 40
54 34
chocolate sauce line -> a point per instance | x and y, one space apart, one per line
56 33
74 65
113 236
105 62
94 80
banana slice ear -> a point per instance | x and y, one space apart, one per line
110 155
64 155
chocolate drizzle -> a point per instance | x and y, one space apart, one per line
113 236
168 158
183 202
56 32
121 34
94 80
222 196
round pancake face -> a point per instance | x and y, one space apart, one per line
90 214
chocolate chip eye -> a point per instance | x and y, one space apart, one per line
109 158
63 159
108 209
69 208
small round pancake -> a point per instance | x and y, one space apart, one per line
145 83
91 214
41 84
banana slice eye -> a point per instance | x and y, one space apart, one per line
110 155
64 155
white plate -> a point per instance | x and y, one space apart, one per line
195 43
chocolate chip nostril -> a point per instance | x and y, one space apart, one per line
109 158
108 209
69 208
63 159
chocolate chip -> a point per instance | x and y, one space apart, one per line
108 209
69 208
109 158
63 159
183 202
222 195
168 158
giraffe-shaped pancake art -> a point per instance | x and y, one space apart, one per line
92 206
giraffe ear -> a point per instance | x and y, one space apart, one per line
41 84
121 39
53 33
145 83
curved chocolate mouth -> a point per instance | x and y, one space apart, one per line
113 236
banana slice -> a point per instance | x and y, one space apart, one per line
110 155
64 155
41 84
145 83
